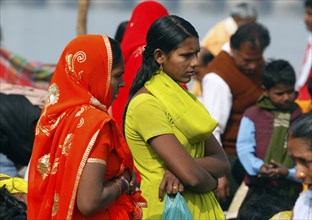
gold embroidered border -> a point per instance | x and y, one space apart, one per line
96 160
110 63
80 169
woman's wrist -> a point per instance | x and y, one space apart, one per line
118 187
122 184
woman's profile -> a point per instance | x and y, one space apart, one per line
81 166
168 130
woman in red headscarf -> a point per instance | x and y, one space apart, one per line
81 166
132 45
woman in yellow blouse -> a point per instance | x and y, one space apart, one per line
169 132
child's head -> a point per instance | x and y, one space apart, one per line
279 83
264 206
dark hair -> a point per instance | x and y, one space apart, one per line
206 58
117 53
166 34
308 3
120 31
302 128
253 33
262 207
276 72
10 206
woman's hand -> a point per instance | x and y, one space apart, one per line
278 170
126 175
223 191
169 184
264 171
133 182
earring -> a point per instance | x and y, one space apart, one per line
161 67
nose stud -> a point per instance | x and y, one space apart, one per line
301 174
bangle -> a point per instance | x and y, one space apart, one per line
125 182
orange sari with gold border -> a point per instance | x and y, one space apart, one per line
74 113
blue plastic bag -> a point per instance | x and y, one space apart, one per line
176 208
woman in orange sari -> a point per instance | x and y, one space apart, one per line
81 166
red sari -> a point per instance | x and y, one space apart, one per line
74 114
132 45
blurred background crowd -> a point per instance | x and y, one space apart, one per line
39 29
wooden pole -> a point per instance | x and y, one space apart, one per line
83 6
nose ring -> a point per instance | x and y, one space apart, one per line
301 174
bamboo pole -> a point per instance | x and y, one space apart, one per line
83 6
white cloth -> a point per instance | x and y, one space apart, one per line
227 47
306 65
303 206
230 25
217 98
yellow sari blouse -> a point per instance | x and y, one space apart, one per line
170 110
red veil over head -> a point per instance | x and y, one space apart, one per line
74 112
132 44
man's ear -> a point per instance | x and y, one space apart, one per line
159 56
265 91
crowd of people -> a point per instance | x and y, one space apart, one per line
119 132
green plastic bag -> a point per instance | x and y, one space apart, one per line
176 208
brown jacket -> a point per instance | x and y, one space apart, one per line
245 91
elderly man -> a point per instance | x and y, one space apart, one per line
220 34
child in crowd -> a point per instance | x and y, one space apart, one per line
262 143
262 207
